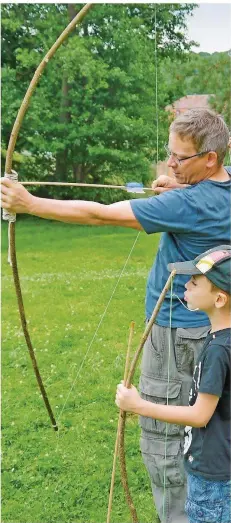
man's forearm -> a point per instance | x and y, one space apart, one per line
69 211
84 212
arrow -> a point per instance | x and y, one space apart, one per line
132 187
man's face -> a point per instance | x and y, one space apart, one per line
189 171
199 293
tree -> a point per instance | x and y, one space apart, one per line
93 116
200 73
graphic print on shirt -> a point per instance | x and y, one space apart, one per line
195 384
187 438
192 399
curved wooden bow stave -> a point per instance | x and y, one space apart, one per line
8 168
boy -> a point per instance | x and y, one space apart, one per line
207 418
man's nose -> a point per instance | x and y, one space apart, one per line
171 162
186 285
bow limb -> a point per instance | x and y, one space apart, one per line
8 169
146 333
24 105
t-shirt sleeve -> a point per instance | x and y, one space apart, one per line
215 367
173 211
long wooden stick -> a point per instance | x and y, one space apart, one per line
149 325
122 457
26 332
119 423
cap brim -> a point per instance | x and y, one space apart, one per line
184 268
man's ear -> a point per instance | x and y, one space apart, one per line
221 299
212 159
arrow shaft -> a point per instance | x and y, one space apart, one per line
75 184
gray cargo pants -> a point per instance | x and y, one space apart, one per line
163 456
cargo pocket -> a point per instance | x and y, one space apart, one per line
188 345
154 351
163 461
157 390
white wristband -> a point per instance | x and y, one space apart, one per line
10 217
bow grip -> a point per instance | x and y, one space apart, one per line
7 216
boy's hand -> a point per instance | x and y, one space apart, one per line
128 399
166 183
14 197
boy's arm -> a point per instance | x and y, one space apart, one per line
16 199
197 415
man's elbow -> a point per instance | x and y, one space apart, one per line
119 214
98 214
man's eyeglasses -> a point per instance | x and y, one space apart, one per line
180 160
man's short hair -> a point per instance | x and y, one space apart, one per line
207 130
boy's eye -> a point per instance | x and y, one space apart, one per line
193 282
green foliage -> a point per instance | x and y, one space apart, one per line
93 115
200 73
66 284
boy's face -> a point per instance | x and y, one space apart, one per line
199 293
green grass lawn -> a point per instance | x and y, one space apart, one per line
68 274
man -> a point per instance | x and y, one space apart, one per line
193 218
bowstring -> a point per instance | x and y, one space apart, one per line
125 265
135 241
171 288
98 326
156 93
167 396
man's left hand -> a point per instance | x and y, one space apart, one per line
14 197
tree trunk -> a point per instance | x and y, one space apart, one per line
77 172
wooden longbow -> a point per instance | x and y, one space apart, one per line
11 218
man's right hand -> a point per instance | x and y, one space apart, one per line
165 183
14 197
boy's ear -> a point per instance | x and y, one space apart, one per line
221 299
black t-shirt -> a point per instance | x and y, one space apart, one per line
207 449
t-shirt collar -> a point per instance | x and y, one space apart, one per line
220 333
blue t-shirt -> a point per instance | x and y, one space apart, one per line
192 220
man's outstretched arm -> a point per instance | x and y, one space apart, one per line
16 199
